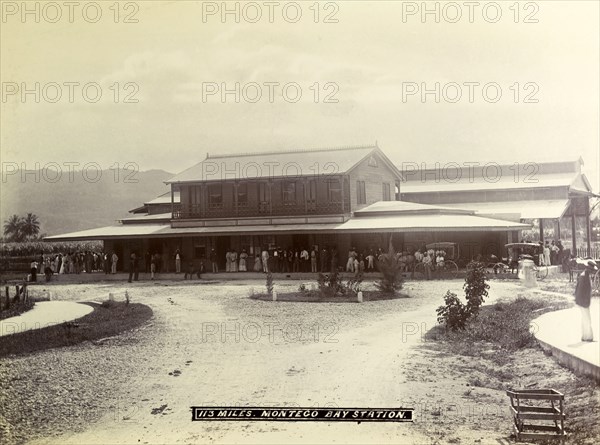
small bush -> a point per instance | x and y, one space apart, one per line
391 270
453 314
475 287
353 285
331 285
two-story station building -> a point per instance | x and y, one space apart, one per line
340 197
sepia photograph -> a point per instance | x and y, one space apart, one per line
299 222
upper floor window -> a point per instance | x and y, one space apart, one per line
242 194
311 193
361 192
263 192
386 191
373 161
215 195
289 192
334 190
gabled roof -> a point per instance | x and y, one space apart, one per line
281 164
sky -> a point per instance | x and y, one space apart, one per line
142 82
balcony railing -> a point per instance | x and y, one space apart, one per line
262 209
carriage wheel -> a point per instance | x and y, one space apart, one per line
419 271
450 270
500 268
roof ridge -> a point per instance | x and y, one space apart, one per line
299 150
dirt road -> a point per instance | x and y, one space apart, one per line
209 345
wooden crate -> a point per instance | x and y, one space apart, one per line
524 413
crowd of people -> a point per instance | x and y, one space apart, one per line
298 259
73 263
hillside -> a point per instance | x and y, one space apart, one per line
74 203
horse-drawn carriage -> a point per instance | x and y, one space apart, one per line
443 257
516 253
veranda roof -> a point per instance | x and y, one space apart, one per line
547 209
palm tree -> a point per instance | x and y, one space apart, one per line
30 226
13 228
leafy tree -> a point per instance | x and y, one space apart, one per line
30 225
13 229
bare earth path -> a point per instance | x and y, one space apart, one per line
207 344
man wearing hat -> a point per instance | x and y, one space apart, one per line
583 296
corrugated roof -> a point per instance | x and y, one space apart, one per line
165 198
504 182
148 218
429 218
407 207
293 163
547 208
427 223
117 231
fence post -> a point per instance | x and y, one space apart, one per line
7 297
25 293
18 294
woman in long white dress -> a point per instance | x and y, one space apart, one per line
234 261
228 261
243 257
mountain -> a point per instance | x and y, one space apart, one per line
81 200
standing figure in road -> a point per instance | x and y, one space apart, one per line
583 296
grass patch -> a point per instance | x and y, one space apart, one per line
503 326
314 296
107 319
17 309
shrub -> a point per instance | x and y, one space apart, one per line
353 284
331 285
453 314
391 271
475 287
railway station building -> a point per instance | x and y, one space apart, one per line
340 197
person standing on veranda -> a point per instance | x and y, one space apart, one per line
265 260
243 258
114 259
213 261
583 296
228 261
177 261
234 261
